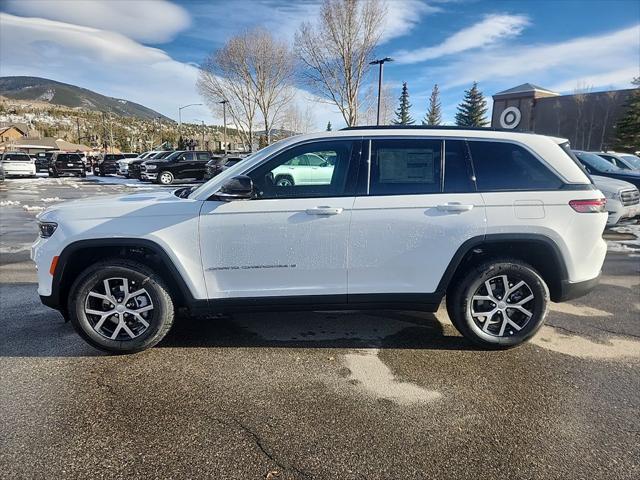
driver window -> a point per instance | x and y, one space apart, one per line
288 174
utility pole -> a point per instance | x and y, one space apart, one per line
202 146
380 62
224 127
78 128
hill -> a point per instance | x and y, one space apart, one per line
57 93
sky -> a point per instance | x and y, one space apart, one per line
148 51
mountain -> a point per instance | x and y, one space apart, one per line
38 89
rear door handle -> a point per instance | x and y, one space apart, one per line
454 207
323 211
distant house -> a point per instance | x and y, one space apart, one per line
37 145
10 134
587 119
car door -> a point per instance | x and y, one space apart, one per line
200 165
321 169
415 207
290 240
185 165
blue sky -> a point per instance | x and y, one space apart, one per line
148 50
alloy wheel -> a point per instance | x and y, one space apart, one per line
166 178
119 309
502 306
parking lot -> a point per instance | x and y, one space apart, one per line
335 395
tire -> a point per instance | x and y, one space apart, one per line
165 178
53 174
88 294
284 181
83 174
496 331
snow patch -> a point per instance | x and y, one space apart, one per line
370 374
578 310
576 346
21 247
32 208
51 199
8 203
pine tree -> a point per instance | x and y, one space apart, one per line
434 114
329 127
472 110
628 127
403 117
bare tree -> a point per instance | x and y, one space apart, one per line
610 100
298 120
369 105
223 78
336 52
253 72
270 67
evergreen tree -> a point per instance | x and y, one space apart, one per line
403 117
628 127
329 127
434 114
472 110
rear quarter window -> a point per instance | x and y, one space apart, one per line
507 166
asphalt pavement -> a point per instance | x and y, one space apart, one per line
322 395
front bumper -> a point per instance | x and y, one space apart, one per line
148 176
622 212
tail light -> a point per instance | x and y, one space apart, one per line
596 205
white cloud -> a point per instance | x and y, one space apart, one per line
491 30
603 60
151 21
404 15
113 65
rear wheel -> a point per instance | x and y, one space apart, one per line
120 306
165 178
284 181
499 304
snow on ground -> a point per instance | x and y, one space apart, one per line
51 199
628 245
33 208
8 203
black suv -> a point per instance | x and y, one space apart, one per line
62 163
219 164
107 164
180 164
135 165
42 161
596 165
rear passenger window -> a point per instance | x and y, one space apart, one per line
405 166
458 174
506 166
203 156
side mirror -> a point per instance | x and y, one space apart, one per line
236 188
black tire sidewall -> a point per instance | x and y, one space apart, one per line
162 313
460 306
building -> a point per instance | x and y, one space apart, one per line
37 145
10 134
587 119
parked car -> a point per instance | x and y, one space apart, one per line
306 169
1 172
123 165
107 164
624 161
18 164
623 199
42 161
135 164
218 164
63 163
181 164
500 222
596 165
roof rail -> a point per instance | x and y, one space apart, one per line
432 127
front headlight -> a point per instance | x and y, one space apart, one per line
47 228
151 166
612 195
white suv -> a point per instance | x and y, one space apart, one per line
499 222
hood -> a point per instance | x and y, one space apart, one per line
610 184
147 204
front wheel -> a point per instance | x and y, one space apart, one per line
499 304
120 306
165 178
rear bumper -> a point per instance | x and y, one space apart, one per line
570 290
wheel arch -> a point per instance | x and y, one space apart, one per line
541 252
80 254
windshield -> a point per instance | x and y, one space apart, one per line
68 157
160 155
633 160
596 162
173 155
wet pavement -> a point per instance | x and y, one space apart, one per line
323 395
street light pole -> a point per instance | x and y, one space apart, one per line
380 62
180 117
224 127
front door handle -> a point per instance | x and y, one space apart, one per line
454 207
323 211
